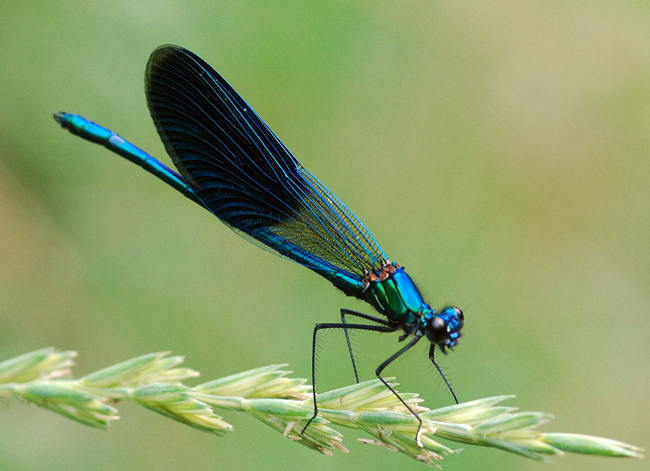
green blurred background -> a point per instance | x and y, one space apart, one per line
498 150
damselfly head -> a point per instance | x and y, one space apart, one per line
443 329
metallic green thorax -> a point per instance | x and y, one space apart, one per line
394 294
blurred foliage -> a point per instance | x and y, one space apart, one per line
497 150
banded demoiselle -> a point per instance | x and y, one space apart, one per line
232 164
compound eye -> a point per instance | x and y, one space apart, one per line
454 318
437 330
438 324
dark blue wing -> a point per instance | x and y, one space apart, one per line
247 177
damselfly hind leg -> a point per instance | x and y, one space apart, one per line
360 315
344 326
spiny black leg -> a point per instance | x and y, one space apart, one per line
374 328
361 315
381 367
368 317
432 351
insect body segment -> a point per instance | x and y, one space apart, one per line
393 293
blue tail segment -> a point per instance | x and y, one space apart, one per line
80 126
